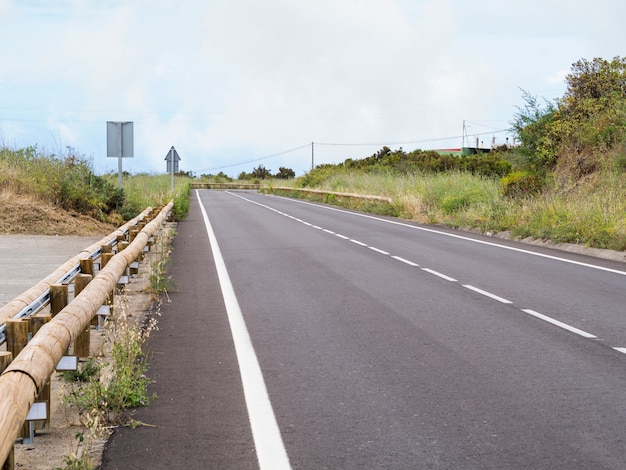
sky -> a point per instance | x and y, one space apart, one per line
236 84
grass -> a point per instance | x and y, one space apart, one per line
60 195
105 392
593 214
104 395
159 283
145 190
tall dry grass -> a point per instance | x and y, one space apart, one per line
590 214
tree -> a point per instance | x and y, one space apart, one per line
589 118
532 125
598 80
285 173
261 173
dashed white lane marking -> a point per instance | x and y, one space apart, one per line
487 294
268 441
533 313
438 274
378 250
329 231
405 261
461 237
565 326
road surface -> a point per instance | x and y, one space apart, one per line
308 337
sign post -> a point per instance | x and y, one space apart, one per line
172 158
119 143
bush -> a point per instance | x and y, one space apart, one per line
521 184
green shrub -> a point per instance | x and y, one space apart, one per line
521 184
83 373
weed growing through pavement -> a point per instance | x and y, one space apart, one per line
78 458
116 386
105 392
159 283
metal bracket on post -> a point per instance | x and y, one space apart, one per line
37 412
119 143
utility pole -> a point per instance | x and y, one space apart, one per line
312 155
464 135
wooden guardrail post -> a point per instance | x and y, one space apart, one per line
104 259
36 322
5 359
121 246
17 330
86 266
58 298
82 341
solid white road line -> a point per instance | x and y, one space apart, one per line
268 442
565 326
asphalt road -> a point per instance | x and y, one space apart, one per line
381 344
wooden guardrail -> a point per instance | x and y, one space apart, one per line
198 185
374 204
323 192
26 376
27 297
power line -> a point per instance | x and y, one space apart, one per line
421 141
257 159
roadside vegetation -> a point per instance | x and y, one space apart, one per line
61 195
565 182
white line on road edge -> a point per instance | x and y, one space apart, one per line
565 326
270 448
488 294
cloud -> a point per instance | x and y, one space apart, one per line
229 82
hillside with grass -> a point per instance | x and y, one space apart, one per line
51 195
565 182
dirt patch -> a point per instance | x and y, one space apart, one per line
25 214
